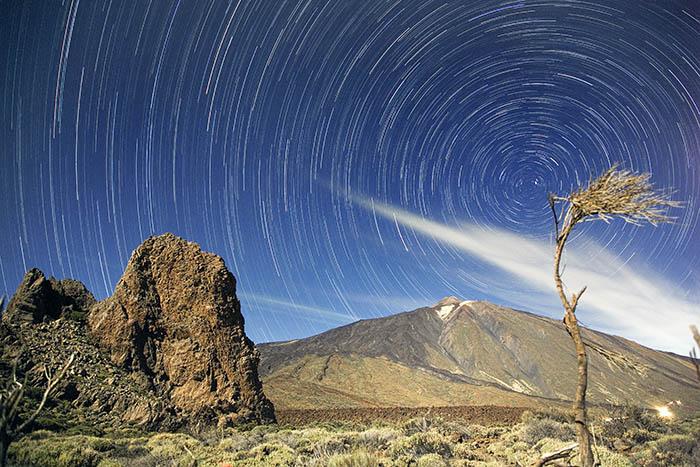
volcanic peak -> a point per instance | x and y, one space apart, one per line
445 307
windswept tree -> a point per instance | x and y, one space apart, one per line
617 193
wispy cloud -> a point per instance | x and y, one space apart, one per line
288 306
621 298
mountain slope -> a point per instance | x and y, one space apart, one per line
465 352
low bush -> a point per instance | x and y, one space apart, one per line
431 460
420 444
418 425
677 450
278 455
431 442
629 418
354 459
377 438
608 458
536 429
76 451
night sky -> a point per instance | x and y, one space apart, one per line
351 159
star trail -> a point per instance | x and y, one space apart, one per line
322 148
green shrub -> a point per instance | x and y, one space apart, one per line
332 444
464 451
431 460
267 454
420 444
611 459
631 417
417 425
677 450
235 442
377 438
51 452
112 463
539 428
639 436
354 459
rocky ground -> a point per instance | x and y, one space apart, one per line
627 437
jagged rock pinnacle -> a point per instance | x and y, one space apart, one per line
174 319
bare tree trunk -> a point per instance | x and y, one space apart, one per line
580 415
693 354
4 447
10 399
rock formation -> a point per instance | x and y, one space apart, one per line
45 323
39 299
166 350
174 322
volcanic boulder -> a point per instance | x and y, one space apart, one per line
174 320
39 299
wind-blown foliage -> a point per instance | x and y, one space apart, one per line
619 193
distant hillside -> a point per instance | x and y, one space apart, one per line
464 352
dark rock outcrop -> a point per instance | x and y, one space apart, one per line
39 299
166 351
174 323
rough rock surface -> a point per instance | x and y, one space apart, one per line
39 299
175 323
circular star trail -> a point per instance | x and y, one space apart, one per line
251 127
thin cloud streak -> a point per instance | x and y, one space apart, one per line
290 306
621 299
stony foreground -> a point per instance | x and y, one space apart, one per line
629 437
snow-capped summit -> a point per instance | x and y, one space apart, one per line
447 305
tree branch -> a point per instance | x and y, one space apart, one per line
558 454
693 354
50 387
575 297
552 204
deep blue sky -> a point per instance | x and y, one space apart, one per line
253 127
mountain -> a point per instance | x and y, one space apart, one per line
168 349
461 352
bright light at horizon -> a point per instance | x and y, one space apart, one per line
664 411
